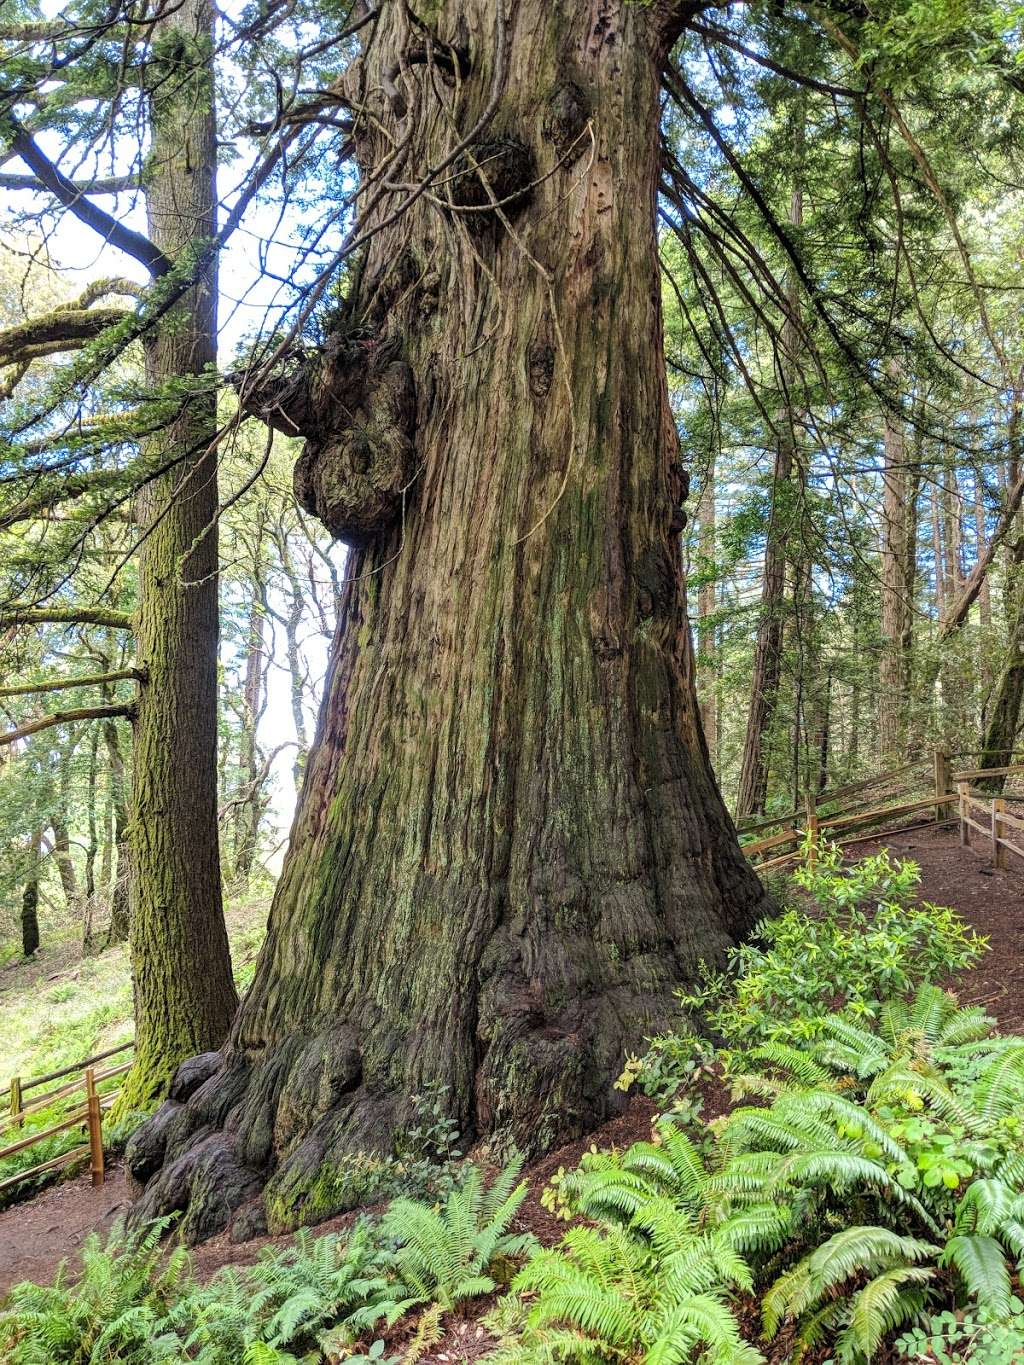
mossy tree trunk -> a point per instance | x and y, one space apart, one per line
30 897
510 849
184 994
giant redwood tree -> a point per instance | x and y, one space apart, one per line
510 849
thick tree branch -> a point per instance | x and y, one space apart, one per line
133 243
33 727
110 184
64 329
65 616
62 684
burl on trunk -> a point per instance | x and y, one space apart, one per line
510 849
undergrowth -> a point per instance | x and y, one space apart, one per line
864 1195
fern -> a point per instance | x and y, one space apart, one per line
114 1311
443 1254
605 1294
982 1267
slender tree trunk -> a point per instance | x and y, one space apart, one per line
30 898
938 556
65 865
510 848
120 894
184 994
252 802
1003 719
292 622
980 536
93 846
767 669
707 593
896 599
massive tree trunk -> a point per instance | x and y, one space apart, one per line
707 605
510 849
184 994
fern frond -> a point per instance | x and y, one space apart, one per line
885 1303
981 1264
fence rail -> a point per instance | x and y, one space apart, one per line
88 1115
935 774
999 820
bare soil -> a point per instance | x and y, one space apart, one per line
37 1235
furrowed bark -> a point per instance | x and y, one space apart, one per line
184 993
510 849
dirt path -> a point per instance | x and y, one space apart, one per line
991 901
37 1235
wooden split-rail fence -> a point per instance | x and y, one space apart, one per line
926 791
86 1115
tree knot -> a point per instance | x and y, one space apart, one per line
355 403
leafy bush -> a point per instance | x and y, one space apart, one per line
868 941
955 1338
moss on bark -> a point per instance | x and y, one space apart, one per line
510 849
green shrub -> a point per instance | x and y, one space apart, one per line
952 1338
868 942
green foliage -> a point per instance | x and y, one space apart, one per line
907 1138
949 1338
289 1299
610 1294
115 1311
320 1298
867 941
444 1253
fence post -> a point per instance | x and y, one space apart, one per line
95 1119
942 780
16 1101
812 829
998 856
965 829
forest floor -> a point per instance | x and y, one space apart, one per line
35 1236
